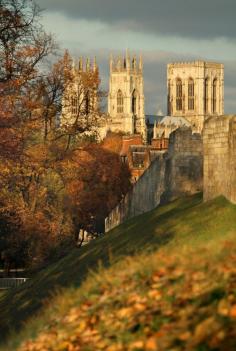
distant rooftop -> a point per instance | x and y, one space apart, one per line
176 121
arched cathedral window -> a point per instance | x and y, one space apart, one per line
206 95
134 102
190 94
169 98
74 105
214 98
179 95
120 102
87 103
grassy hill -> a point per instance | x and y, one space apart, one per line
165 280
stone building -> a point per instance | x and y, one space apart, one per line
137 155
163 128
126 96
195 91
171 174
80 97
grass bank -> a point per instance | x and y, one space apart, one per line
161 281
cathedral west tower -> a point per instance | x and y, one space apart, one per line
126 95
195 91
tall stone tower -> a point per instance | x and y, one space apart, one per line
195 91
126 95
80 96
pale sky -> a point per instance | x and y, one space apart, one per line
162 30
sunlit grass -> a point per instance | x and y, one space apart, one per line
184 227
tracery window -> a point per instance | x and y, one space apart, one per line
87 103
179 95
134 102
74 105
191 94
206 95
168 98
214 97
120 102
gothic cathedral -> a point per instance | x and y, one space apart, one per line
195 91
126 96
80 95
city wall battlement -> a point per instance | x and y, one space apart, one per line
219 144
193 163
172 174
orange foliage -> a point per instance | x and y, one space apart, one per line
101 181
113 142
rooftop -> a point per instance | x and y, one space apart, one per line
176 121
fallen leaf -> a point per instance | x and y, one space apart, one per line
232 311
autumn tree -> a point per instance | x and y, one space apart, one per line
113 142
97 181
23 47
81 112
53 183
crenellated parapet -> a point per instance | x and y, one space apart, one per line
126 63
195 63
219 140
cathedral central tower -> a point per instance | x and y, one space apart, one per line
126 95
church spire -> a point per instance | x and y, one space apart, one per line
88 64
95 66
155 130
127 59
111 62
119 64
134 62
81 64
141 62
73 64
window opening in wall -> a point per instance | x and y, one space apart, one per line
206 95
168 98
120 102
134 102
87 104
74 105
191 94
179 95
214 95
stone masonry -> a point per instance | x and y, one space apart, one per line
143 197
126 95
195 91
219 142
184 165
171 174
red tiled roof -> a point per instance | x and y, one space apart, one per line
128 141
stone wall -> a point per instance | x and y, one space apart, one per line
171 175
219 141
184 165
144 196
